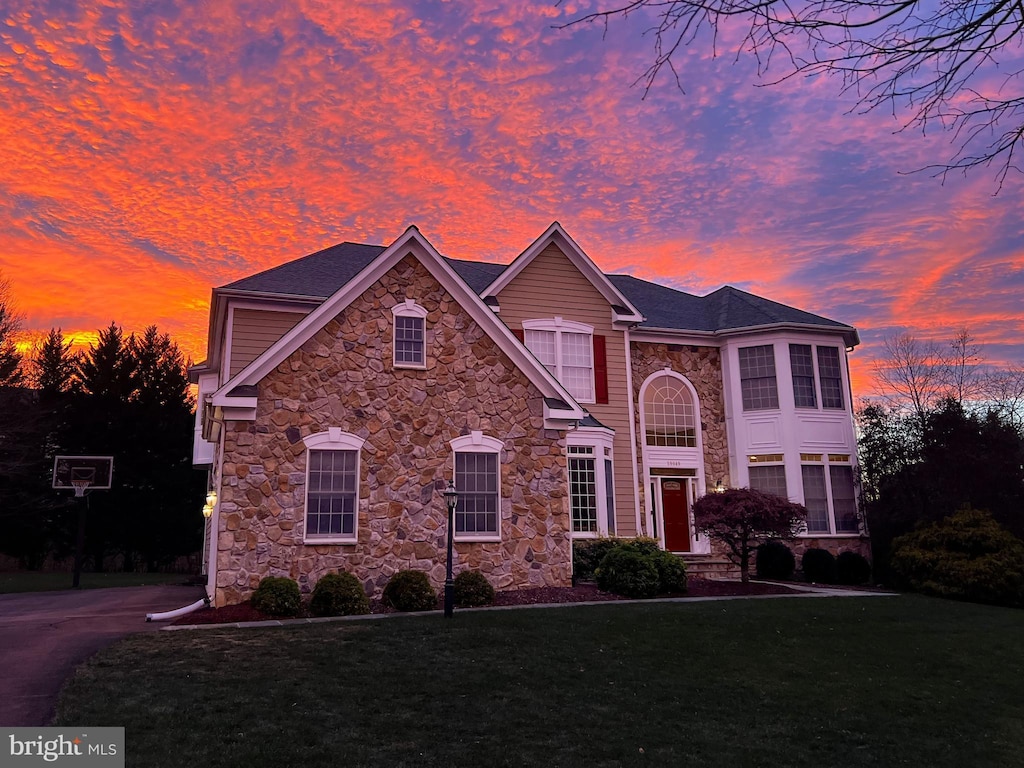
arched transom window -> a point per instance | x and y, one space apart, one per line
669 418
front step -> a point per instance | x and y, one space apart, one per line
710 567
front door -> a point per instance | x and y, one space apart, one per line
675 510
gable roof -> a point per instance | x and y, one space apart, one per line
555 235
660 307
238 392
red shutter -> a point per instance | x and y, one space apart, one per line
600 370
520 334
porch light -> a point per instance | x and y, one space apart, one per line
719 488
451 500
211 498
207 510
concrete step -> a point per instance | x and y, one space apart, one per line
710 567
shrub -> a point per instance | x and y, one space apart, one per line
587 554
629 573
671 572
277 596
966 556
410 591
471 589
852 568
775 561
339 594
819 566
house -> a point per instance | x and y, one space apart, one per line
345 389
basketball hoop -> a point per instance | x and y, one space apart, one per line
79 484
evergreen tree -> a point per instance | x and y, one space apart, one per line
54 366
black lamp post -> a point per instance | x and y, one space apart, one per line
451 499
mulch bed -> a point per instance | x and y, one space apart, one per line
581 593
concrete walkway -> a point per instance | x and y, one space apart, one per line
45 635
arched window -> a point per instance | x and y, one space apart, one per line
669 415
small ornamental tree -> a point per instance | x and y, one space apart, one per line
740 518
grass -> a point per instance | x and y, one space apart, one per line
40 581
895 681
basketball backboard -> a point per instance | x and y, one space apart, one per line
96 470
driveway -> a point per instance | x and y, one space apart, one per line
45 635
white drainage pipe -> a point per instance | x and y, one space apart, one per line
168 615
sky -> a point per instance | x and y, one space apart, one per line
150 151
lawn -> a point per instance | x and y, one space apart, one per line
39 581
817 682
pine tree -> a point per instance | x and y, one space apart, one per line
54 366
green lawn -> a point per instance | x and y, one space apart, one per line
38 581
893 681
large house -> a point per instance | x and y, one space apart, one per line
345 389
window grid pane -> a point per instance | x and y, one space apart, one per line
757 378
542 344
583 495
771 479
802 363
844 499
476 477
609 491
814 498
331 496
409 340
831 377
669 414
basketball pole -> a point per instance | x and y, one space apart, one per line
80 543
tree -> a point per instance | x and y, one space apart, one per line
10 325
952 65
912 372
54 365
740 518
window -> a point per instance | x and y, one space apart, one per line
566 349
609 496
669 418
478 481
831 377
757 378
802 363
769 479
409 335
583 489
815 498
840 495
332 486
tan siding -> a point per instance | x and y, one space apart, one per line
551 285
254 330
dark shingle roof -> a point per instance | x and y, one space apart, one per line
321 274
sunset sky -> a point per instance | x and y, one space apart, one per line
150 151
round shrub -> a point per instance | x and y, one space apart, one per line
587 554
967 556
644 545
852 568
819 566
629 573
277 596
671 572
472 589
410 591
775 561
339 594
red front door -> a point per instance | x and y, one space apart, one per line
676 512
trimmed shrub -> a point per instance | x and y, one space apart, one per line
410 591
852 568
775 561
339 594
472 589
671 572
587 554
967 556
629 573
819 566
277 596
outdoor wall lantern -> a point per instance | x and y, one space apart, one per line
211 498
207 510
719 488
451 500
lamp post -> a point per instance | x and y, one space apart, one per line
451 499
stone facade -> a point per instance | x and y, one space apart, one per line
343 377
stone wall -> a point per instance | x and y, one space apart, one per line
343 377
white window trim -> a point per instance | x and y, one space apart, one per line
560 325
600 441
478 442
408 308
832 531
332 439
